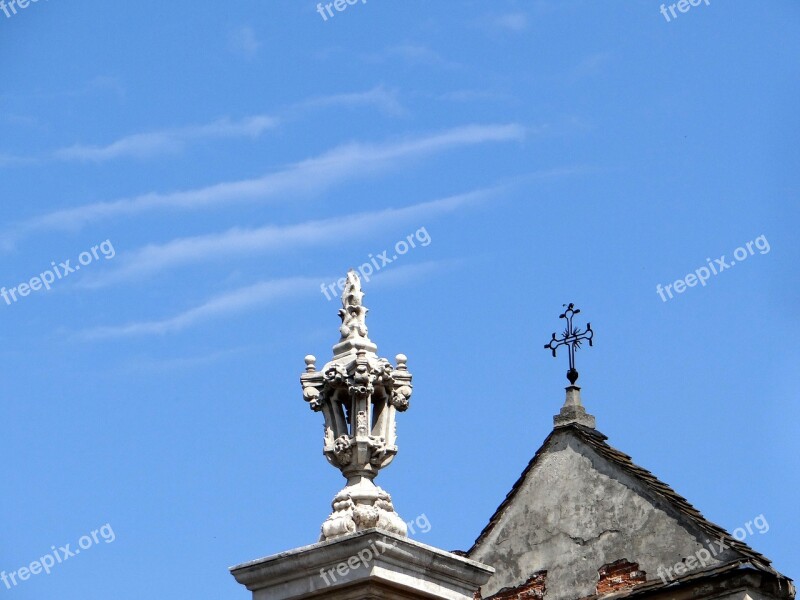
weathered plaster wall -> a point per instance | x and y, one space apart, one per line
576 512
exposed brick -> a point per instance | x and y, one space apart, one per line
532 589
619 575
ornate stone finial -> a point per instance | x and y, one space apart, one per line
359 395
354 319
572 411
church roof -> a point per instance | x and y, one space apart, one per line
582 509
597 441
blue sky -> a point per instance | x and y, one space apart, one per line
237 156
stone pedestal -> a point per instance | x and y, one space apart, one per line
573 411
370 564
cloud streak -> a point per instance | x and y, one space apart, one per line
174 140
235 301
515 22
247 298
386 100
245 42
247 242
167 141
348 162
9 160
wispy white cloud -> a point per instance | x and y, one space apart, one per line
151 364
244 41
24 121
475 96
103 83
417 53
174 140
413 53
515 22
594 64
344 163
9 160
248 298
247 242
168 141
500 25
235 301
96 85
408 274
386 100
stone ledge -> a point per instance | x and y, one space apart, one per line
420 570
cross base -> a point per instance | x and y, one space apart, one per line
573 411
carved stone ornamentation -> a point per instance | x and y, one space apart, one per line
377 446
342 450
400 398
359 394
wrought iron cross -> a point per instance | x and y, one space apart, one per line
573 336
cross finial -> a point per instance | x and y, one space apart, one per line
572 338
572 411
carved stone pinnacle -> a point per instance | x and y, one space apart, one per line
359 395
